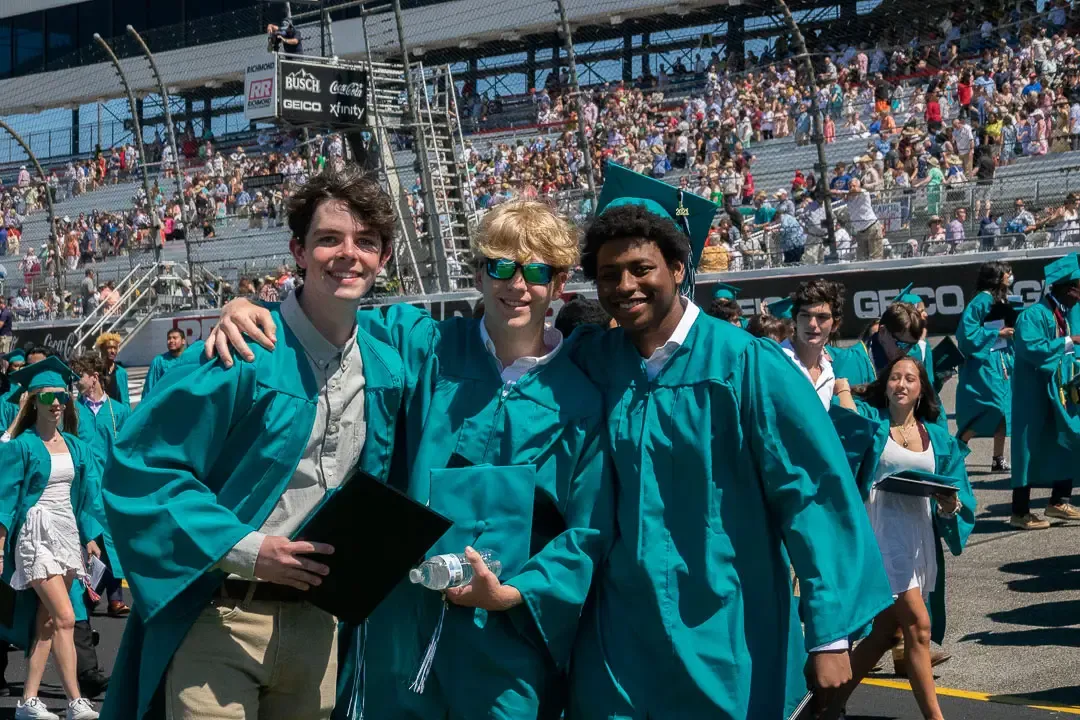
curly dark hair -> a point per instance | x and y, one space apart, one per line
927 408
633 221
580 310
820 291
725 309
363 195
89 364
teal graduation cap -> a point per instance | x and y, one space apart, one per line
906 296
50 372
1063 270
781 308
692 214
724 291
16 355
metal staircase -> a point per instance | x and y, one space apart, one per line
136 308
450 185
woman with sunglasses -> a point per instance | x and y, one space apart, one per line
50 506
903 410
502 435
902 327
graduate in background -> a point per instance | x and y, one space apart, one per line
767 326
580 310
100 420
725 305
50 508
218 468
503 435
818 308
176 343
984 390
903 408
16 359
116 377
727 468
1045 343
921 350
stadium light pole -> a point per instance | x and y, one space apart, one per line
58 257
420 145
137 127
179 175
822 165
583 138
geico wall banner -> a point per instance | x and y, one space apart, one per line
260 91
322 95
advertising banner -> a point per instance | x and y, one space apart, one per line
260 91
322 95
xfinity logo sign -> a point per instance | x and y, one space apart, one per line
302 80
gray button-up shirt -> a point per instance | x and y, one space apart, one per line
334 446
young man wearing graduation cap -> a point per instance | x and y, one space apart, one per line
728 472
503 435
218 468
1044 443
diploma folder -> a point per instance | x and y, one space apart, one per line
913 482
378 534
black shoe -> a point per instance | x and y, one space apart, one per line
999 465
93 684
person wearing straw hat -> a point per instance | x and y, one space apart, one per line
50 508
1043 451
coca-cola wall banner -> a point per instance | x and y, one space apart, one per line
58 337
322 95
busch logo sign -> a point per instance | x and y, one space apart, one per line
353 89
302 80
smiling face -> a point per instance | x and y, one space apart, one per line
174 341
341 254
903 387
517 304
54 410
635 285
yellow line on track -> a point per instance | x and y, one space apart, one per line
980 696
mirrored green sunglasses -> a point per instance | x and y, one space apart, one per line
47 398
532 273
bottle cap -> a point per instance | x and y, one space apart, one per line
415 576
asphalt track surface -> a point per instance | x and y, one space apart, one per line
1013 625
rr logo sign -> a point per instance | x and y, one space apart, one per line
261 89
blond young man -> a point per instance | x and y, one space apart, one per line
502 435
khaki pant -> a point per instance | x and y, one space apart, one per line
868 245
255 661
6 343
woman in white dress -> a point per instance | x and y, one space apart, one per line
50 505
901 408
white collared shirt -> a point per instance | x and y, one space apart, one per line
517 369
662 354
825 382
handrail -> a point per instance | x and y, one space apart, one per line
100 308
105 316
124 315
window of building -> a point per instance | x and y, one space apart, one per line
5 48
29 35
129 12
61 32
95 16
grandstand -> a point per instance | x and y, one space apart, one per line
717 78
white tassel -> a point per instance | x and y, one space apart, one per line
429 655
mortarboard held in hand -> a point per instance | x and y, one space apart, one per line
918 483
947 361
692 215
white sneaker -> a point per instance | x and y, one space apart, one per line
34 709
81 709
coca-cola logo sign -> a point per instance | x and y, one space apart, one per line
353 89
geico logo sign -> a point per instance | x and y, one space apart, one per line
354 89
302 80
261 90
943 300
302 105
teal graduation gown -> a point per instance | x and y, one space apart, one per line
1041 456
180 494
158 367
984 390
25 465
9 409
727 472
520 469
100 431
852 363
949 456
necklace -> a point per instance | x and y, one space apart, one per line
903 431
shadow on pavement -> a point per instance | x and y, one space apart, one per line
1048 574
1060 637
1049 615
1069 695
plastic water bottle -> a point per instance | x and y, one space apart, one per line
449 571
